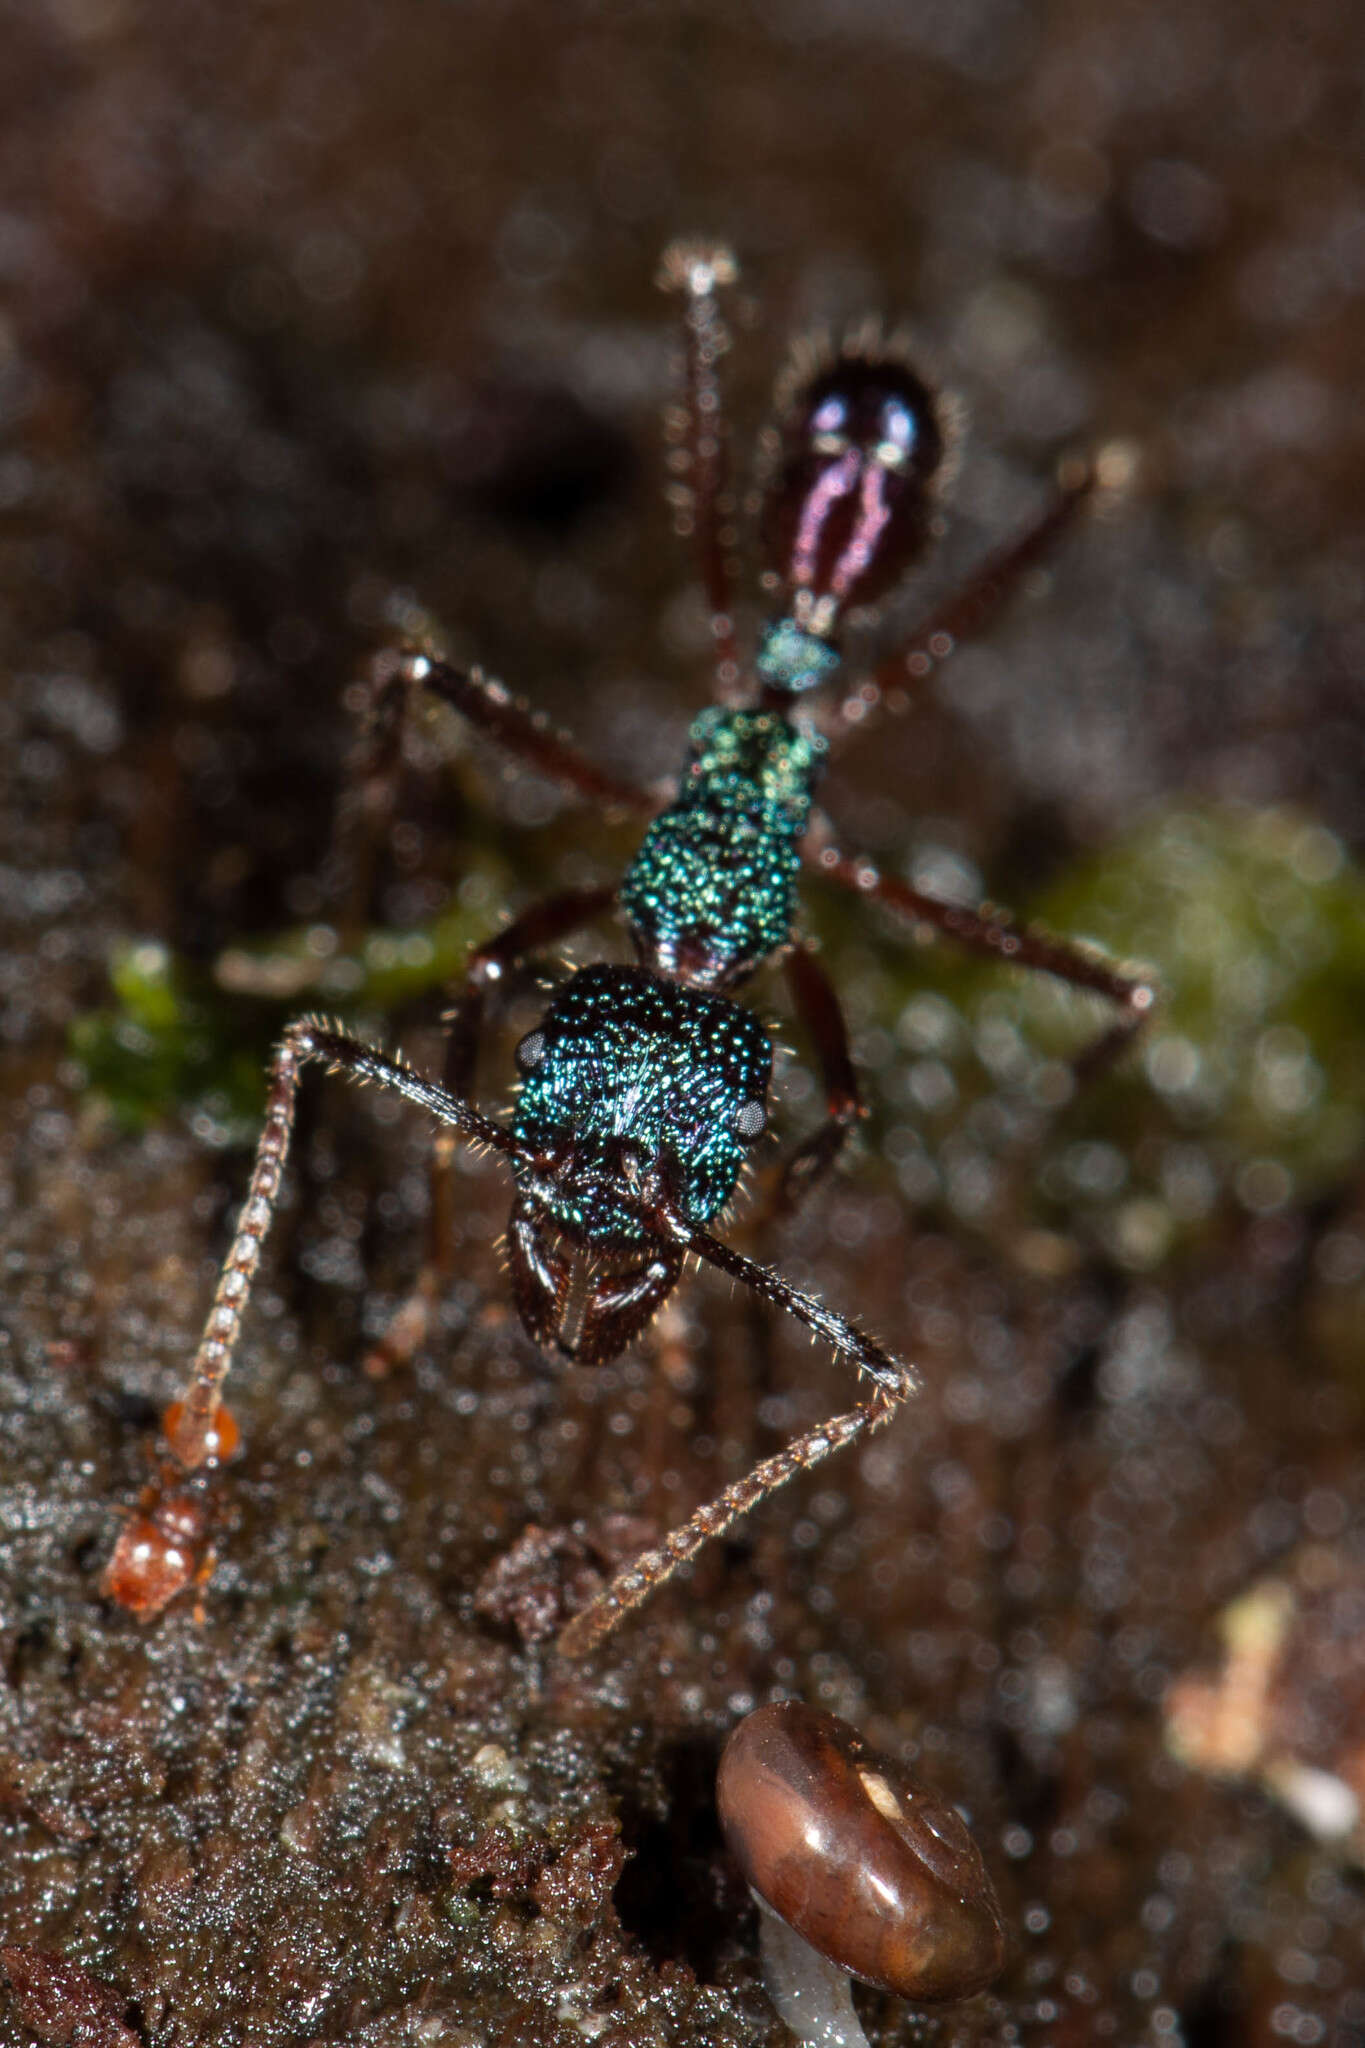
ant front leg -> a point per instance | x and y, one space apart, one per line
544 924
634 1584
197 1426
701 502
895 1382
819 1009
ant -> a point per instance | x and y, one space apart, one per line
644 1087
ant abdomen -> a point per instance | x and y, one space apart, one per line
849 505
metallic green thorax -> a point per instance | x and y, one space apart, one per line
711 893
626 1067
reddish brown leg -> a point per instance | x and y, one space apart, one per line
526 734
990 931
654 1568
895 1382
696 429
543 924
986 930
197 1427
371 792
972 607
818 1008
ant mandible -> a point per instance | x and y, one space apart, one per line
644 1087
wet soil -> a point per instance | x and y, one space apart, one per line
313 317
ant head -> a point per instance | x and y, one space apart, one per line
639 1100
849 503
587 1301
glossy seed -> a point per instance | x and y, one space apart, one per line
877 1873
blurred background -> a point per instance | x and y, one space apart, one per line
323 324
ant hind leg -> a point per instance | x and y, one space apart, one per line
968 610
964 613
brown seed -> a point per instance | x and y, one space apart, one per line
874 1871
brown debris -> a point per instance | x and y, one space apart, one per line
63 2003
1287 1704
576 1885
550 1574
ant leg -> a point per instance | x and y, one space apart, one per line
654 1568
196 1426
895 1383
371 788
892 1375
697 433
543 924
990 931
819 1009
526 734
967 610
369 793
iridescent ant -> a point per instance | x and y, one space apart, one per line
644 1087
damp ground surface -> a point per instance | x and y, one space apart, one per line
323 323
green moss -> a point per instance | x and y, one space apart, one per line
177 1039
1255 924
168 1042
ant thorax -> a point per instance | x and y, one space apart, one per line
712 892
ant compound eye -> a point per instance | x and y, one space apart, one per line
749 1122
530 1051
868 1867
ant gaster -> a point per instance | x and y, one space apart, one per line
644 1087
